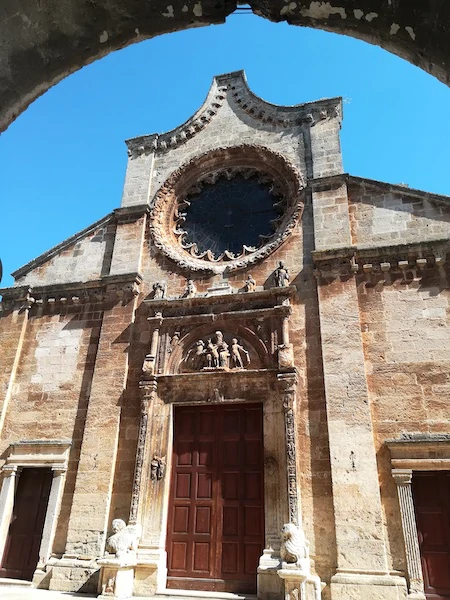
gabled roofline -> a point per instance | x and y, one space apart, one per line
399 188
396 187
41 259
236 84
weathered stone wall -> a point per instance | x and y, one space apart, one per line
84 257
52 385
383 215
406 333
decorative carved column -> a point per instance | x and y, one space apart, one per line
415 576
299 583
288 384
148 395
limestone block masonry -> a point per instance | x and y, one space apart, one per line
297 317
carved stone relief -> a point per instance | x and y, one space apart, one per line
214 353
157 468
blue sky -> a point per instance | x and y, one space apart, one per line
63 161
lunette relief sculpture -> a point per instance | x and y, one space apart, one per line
215 353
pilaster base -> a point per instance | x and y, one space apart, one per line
270 586
368 586
151 572
69 574
299 584
116 578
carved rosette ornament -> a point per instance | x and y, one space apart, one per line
172 208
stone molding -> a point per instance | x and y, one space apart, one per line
283 116
174 138
110 287
164 213
400 261
38 453
420 452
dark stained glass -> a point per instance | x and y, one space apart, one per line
230 213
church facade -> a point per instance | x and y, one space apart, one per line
247 363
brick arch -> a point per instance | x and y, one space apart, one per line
43 42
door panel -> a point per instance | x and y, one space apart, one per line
21 552
432 506
216 518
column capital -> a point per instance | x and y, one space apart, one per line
10 470
147 392
402 476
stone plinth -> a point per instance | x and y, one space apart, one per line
116 577
299 584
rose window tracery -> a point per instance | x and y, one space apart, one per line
229 214
227 208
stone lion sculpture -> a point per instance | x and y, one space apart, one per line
124 539
294 547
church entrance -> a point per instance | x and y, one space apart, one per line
431 492
21 552
216 509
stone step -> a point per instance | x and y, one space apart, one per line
201 595
7 581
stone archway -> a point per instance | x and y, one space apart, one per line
43 42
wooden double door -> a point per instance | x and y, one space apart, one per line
21 553
431 492
216 512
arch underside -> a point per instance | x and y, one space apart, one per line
42 44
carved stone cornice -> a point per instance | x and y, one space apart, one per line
397 261
58 295
271 297
420 452
283 116
174 138
235 86
128 214
164 214
261 313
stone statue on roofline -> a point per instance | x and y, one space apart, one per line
281 275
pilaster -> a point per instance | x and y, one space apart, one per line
7 492
15 316
93 487
362 567
402 478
